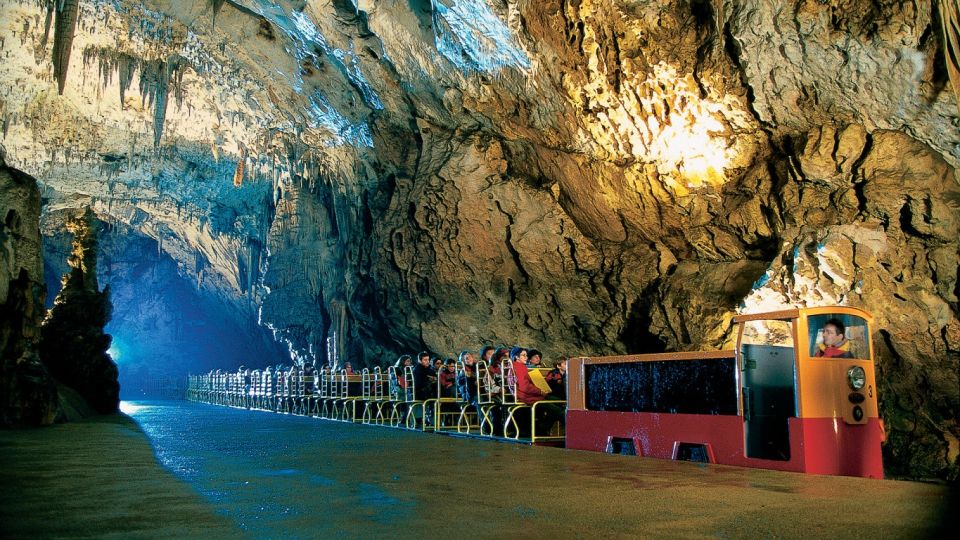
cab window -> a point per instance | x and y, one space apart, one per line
765 343
838 335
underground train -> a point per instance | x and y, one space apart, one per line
789 397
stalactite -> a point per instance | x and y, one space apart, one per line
950 26
238 172
41 50
251 266
175 69
217 5
125 67
109 62
156 79
64 29
160 105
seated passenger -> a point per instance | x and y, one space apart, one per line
534 358
834 345
467 380
245 376
309 384
494 371
557 379
437 365
528 393
424 378
448 376
398 383
486 354
501 354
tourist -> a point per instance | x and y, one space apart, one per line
557 379
467 379
398 383
486 354
528 393
245 377
424 378
534 358
447 378
309 371
495 373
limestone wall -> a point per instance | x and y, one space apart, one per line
29 395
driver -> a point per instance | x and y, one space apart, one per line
835 344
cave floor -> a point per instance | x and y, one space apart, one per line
178 469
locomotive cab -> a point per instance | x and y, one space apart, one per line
807 390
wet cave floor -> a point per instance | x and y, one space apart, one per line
179 469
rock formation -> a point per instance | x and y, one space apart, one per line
73 343
29 395
588 176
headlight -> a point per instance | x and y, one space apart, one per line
856 377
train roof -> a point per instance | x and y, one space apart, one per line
798 312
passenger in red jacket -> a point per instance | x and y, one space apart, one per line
548 413
527 392
448 377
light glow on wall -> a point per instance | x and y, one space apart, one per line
659 117
114 352
685 136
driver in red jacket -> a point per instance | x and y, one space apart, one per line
835 344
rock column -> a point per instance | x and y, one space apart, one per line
29 395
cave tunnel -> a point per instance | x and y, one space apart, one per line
164 325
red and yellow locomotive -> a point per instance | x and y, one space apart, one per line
777 401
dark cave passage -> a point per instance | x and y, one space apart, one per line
163 326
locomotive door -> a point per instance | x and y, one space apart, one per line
768 387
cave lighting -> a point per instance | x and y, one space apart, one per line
130 408
816 279
114 352
686 145
769 299
661 119
684 138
